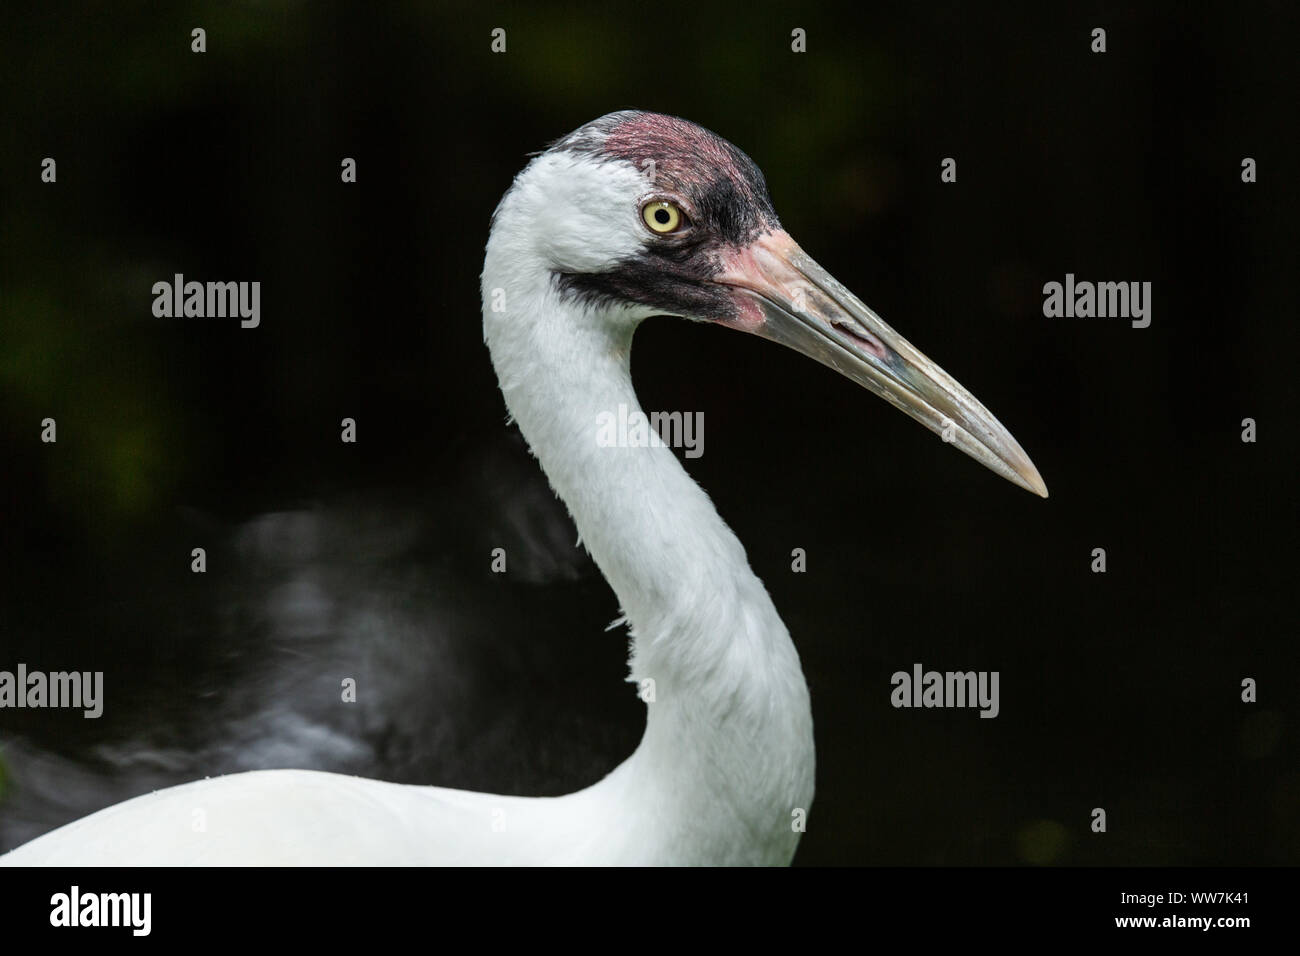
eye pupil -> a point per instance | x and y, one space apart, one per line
662 217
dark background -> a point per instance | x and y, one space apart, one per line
371 560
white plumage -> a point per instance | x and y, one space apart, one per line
725 768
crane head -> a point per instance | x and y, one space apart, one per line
647 214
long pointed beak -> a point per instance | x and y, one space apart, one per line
785 296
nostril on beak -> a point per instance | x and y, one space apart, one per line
864 338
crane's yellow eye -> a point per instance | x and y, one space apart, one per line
662 217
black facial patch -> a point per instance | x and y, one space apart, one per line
671 276
729 213
728 207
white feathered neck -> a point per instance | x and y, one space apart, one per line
725 768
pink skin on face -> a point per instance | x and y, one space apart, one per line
766 267
763 267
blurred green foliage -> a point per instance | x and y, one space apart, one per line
149 178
